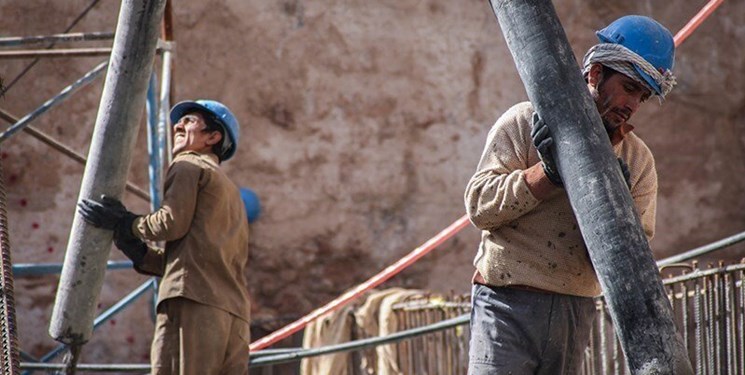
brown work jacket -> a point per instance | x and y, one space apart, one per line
204 223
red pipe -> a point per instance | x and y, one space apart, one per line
694 23
374 281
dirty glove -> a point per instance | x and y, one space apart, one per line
109 214
544 144
625 172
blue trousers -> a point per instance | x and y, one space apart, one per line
515 331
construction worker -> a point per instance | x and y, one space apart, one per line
533 289
202 324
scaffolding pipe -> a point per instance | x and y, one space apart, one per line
107 315
109 157
164 129
703 250
154 151
40 39
612 231
360 344
72 154
31 65
41 269
99 368
66 52
166 83
51 103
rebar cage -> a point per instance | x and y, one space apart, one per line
708 306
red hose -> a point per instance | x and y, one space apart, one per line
694 23
374 281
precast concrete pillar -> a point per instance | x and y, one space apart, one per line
119 115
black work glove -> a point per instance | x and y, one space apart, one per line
544 143
625 172
111 214
133 247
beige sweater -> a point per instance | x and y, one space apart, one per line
536 243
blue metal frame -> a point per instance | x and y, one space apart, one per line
39 269
104 317
51 103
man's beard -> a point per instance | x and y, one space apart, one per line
603 109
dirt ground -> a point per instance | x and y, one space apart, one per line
362 121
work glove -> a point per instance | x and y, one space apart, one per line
111 214
544 144
133 247
625 172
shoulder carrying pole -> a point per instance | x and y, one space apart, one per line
618 248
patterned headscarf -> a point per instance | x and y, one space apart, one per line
620 59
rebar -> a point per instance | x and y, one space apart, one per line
8 334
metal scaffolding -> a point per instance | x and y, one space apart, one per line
157 124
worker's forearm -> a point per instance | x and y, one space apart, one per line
538 184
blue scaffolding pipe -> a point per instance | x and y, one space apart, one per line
57 368
39 269
164 130
64 94
153 144
105 316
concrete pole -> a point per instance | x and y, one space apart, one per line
115 133
641 312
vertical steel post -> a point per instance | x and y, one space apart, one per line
119 114
155 167
603 206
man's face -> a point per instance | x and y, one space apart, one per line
616 96
190 134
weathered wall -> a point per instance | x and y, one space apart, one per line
362 122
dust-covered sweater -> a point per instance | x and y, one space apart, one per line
529 242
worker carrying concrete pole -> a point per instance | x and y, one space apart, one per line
202 324
114 136
565 196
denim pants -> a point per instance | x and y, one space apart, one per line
515 331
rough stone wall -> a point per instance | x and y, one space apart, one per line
361 124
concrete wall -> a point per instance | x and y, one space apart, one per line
362 122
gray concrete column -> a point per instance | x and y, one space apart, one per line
114 136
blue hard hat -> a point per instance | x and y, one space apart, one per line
647 38
252 204
219 113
